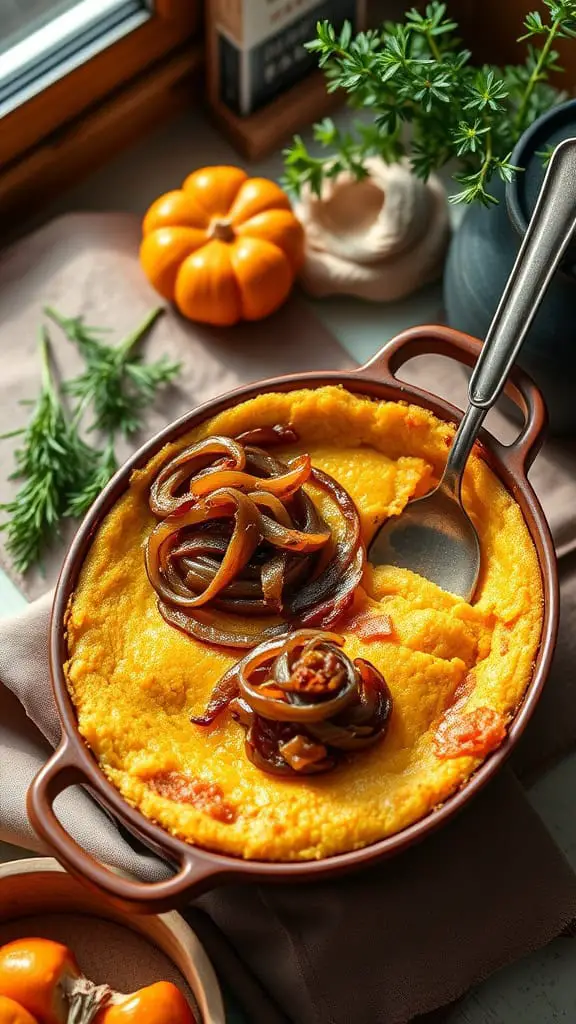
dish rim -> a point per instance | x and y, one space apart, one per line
200 868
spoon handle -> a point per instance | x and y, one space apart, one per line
544 244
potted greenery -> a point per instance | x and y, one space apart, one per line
429 106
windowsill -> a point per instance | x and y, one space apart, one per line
164 158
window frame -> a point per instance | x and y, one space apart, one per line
98 135
170 24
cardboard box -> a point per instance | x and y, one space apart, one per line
256 47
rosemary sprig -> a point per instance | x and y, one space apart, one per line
116 382
53 462
84 496
415 73
61 474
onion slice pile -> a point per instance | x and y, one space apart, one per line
238 537
303 702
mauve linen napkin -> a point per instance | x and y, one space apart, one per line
378 947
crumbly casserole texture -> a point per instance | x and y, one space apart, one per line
135 680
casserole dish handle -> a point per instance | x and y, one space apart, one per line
59 773
444 341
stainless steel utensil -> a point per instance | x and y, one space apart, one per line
434 535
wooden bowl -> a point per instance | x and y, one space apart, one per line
38 897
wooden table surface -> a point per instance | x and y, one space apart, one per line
542 987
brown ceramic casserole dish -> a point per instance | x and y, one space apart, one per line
200 869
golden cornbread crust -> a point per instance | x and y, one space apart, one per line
135 680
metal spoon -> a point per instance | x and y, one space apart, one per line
434 535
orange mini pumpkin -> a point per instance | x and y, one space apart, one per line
224 247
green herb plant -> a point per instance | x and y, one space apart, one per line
61 474
53 463
116 382
413 78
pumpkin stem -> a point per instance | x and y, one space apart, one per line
222 230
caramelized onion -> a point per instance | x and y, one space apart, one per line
303 702
265 500
225 691
365 722
240 537
327 596
370 625
163 493
161 567
265 745
272 578
212 628
280 433
282 485
292 540
292 707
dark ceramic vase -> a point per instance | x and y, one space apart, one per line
481 257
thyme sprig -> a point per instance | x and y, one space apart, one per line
415 73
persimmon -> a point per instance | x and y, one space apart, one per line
41 983
45 979
13 1013
224 247
161 1003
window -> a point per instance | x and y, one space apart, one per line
59 59
47 41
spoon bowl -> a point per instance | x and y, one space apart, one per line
434 535
435 538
